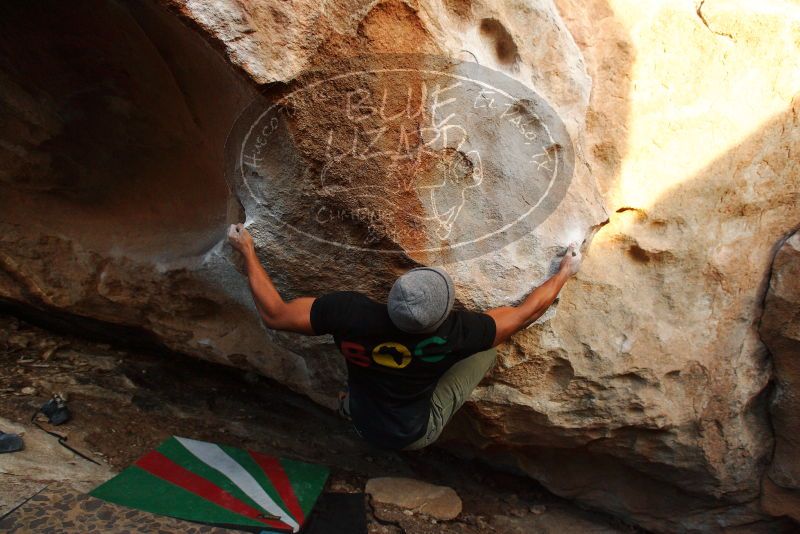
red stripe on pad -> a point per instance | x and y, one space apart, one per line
274 471
159 465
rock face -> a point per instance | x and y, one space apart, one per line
671 125
780 329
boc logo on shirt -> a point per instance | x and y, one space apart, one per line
428 157
393 354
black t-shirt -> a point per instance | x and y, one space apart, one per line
392 374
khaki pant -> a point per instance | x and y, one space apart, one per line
452 390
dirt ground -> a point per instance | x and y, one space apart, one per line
126 401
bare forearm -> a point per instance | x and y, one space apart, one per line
511 319
541 298
292 316
266 296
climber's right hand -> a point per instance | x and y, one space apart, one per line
571 262
240 238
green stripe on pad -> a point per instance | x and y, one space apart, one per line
137 488
307 480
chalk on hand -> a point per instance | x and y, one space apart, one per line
573 247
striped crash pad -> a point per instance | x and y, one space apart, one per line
218 485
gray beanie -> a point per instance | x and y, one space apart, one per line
421 300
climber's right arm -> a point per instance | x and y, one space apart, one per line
277 314
511 319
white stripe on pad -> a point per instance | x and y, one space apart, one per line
214 456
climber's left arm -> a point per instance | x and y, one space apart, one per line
277 314
511 319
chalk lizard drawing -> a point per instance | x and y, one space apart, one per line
457 171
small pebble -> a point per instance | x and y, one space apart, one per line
28 390
538 509
48 353
408 512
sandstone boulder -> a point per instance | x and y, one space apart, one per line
780 330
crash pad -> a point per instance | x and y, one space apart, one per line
219 485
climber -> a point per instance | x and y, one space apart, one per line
411 362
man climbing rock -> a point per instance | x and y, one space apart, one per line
411 362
